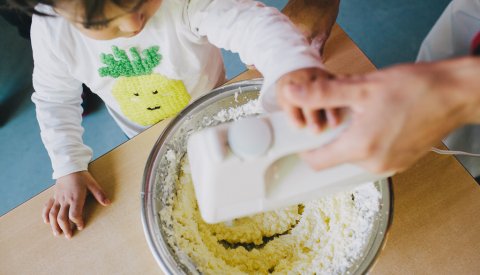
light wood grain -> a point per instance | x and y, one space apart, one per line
435 229
436 223
112 242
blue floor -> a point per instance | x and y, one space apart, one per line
387 31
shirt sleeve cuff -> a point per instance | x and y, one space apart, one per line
70 168
67 171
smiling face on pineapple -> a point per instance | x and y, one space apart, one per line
147 99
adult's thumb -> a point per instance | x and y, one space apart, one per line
324 93
329 155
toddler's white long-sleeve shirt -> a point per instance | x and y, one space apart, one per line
153 75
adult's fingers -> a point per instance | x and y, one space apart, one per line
46 210
76 213
63 220
333 117
296 115
315 119
98 193
53 219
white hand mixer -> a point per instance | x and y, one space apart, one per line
250 166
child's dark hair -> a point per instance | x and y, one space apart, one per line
93 8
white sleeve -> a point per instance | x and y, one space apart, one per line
58 101
261 35
453 32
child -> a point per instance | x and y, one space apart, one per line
146 59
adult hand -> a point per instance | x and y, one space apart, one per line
65 209
397 114
305 80
315 18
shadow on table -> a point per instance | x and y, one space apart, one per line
11 103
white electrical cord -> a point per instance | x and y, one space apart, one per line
451 152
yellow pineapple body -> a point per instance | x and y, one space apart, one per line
148 99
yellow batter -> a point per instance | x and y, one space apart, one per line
320 237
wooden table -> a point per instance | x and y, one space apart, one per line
435 229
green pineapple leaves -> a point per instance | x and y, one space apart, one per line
119 64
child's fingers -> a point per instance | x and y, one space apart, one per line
98 193
46 210
53 219
76 213
63 220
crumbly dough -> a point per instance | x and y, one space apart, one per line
324 236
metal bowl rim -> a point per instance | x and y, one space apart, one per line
149 176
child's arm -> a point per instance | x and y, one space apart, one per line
267 39
58 106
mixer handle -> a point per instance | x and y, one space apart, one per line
288 139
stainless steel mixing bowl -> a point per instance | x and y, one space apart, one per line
155 189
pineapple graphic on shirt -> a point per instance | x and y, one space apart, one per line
143 96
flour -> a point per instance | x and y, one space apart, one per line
252 107
324 236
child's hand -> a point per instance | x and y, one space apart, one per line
315 20
65 210
306 81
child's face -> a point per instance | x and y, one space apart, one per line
116 22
